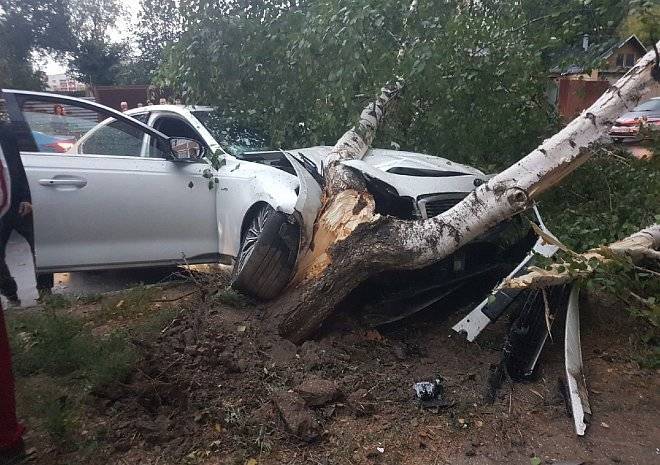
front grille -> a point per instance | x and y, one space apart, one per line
433 205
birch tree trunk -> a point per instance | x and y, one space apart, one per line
352 242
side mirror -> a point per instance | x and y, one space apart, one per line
186 149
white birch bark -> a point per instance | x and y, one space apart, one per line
514 189
639 247
351 242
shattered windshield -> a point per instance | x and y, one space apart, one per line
235 138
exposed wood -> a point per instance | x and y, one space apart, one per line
346 202
380 243
639 247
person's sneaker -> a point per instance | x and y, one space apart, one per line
13 302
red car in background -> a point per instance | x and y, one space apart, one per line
627 127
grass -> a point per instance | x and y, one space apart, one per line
61 345
59 357
49 406
132 304
232 298
56 302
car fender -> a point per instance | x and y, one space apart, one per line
242 185
308 202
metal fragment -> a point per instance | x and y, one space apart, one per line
577 386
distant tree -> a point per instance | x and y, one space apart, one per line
26 27
97 61
643 20
95 58
159 27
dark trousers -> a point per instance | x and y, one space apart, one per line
12 221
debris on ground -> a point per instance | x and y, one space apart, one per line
317 392
429 394
576 383
297 418
206 394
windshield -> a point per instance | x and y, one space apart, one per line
234 137
651 105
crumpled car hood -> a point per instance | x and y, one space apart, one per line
385 160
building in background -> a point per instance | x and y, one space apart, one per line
574 88
62 84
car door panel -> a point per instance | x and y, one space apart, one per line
94 211
129 212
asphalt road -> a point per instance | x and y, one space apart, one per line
21 266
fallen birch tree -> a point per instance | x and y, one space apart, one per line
352 242
640 248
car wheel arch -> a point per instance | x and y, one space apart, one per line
249 214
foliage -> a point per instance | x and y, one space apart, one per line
476 73
159 26
643 20
97 62
49 406
95 59
59 358
132 304
608 198
75 30
28 26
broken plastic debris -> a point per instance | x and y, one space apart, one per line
576 383
429 394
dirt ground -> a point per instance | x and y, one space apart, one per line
216 387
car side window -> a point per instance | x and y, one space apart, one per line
76 130
175 127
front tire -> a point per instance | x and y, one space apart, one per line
267 255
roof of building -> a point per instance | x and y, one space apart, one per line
595 53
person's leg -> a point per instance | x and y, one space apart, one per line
44 280
8 286
11 432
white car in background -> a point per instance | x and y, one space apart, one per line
169 184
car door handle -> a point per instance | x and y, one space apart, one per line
75 182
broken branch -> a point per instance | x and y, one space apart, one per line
639 247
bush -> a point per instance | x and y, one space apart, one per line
608 198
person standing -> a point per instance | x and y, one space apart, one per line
12 448
18 218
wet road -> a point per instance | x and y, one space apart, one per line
20 264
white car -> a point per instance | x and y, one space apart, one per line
169 184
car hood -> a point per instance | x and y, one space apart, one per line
638 114
386 160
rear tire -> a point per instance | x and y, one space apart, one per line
267 255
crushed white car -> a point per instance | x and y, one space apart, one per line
169 184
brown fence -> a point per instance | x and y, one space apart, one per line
577 95
112 96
